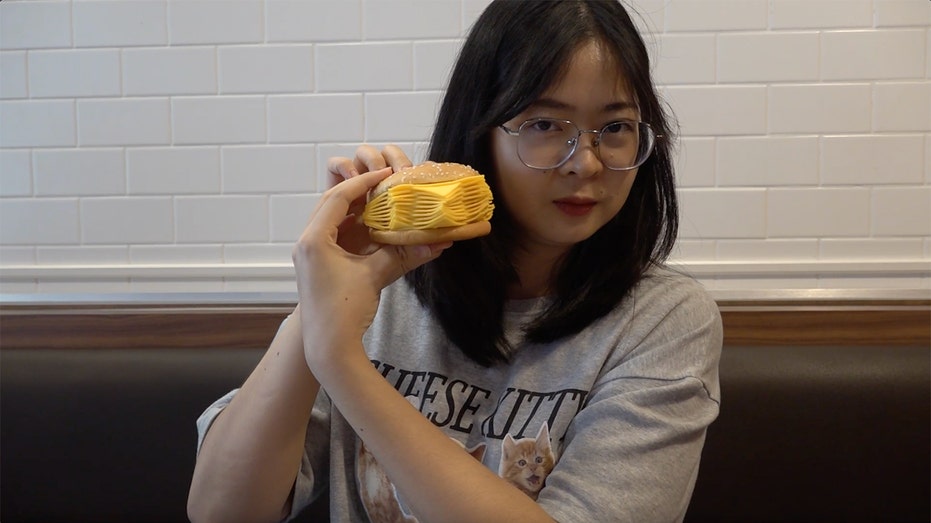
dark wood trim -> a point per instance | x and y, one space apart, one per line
801 322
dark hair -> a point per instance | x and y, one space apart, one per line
513 53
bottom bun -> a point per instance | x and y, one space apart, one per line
426 236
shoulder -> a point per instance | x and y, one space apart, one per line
664 291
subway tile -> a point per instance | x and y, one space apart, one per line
401 116
40 221
767 161
175 254
259 252
768 250
722 213
37 123
124 122
768 57
315 118
169 71
13 74
139 219
35 24
901 211
212 22
817 212
173 170
15 173
648 15
10 255
219 219
268 169
290 214
695 162
111 23
388 66
872 54
902 106
407 19
820 108
74 73
79 172
228 119
685 59
896 13
433 63
870 248
82 255
872 159
719 110
317 21
715 15
266 69
800 14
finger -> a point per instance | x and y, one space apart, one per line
396 157
340 168
369 158
334 205
393 261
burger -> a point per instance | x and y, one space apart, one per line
429 203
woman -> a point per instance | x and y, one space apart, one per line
551 371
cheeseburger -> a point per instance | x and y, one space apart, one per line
429 203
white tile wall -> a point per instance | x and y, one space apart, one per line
140 22
13 74
169 71
175 132
173 170
81 172
15 173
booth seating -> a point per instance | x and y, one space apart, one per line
806 433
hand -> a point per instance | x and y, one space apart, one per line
340 273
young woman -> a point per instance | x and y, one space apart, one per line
551 371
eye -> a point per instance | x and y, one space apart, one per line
539 459
522 463
622 126
544 126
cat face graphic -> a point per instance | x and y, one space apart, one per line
527 462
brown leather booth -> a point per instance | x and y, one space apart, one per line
815 432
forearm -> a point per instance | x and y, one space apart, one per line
439 480
250 456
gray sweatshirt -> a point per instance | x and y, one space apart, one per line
605 425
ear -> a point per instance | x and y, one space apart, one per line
543 435
508 446
477 452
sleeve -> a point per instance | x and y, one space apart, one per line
632 452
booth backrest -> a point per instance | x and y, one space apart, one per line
813 433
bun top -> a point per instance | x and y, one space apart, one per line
429 172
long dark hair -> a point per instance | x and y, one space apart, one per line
513 53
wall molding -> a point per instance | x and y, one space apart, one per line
260 271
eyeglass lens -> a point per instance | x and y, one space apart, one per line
546 143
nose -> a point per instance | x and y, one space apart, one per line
584 161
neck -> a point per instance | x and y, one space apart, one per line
534 272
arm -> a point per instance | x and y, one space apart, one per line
339 296
250 456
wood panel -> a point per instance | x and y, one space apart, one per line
243 326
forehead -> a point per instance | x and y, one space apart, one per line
591 77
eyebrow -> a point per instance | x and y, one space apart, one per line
549 103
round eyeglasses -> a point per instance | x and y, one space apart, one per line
547 143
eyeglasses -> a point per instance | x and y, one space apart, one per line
547 143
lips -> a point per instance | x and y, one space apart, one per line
575 205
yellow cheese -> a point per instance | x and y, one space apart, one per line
429 206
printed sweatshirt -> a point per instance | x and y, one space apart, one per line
604 425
